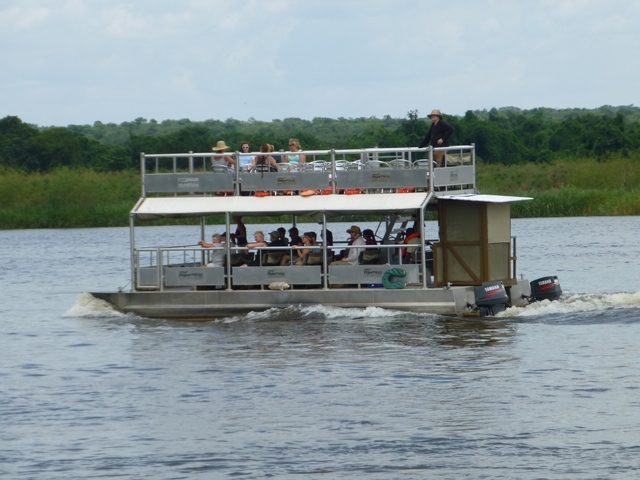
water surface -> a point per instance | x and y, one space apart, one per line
546 392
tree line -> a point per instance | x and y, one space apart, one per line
502 136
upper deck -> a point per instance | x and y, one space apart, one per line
348 171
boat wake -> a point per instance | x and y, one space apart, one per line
624 306
88 306
317 312
571 303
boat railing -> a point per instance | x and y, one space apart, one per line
370 170
160 268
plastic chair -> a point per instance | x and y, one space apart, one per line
373 164
399 164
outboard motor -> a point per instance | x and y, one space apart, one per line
491 298
545 288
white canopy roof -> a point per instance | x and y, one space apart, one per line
196 206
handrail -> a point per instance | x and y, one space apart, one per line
193 173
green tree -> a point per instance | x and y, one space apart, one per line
16 149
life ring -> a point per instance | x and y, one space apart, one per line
389 274
261 194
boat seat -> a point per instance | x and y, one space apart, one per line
220 169
312 258
270 259
369 257
238 259
263 169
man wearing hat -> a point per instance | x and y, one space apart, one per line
354 250
221 147
438 135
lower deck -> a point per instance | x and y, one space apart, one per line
208 304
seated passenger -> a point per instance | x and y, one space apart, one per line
283 235
304 250
294 236
297 159
371 255
295 241
354 250
274 257
246 160
225 161
329 241
264 163
369 238
412 238
259 242
218 254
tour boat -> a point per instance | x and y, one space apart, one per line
470 269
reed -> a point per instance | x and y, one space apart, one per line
66 198
588 187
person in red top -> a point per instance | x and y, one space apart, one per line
413 237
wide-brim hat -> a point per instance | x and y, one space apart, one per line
220 146
354 229
435 113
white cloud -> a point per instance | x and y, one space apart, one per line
22 17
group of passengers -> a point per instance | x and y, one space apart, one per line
293 251
438 136
267 161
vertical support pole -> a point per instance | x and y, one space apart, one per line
143 172
228 249
334 176
325 252
236 167
432 173
473 164
203 260
132 250
423 238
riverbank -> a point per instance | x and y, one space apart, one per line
79 198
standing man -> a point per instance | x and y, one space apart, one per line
438 135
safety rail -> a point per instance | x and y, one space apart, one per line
161 268
371 170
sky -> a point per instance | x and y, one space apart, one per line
76 62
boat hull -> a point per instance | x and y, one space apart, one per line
207 304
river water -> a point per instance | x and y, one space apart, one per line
551 391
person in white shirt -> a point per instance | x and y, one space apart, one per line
354 249
246 160
218 254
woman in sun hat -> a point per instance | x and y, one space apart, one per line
438 135
226 161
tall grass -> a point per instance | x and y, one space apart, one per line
67 198
586 187
76 198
